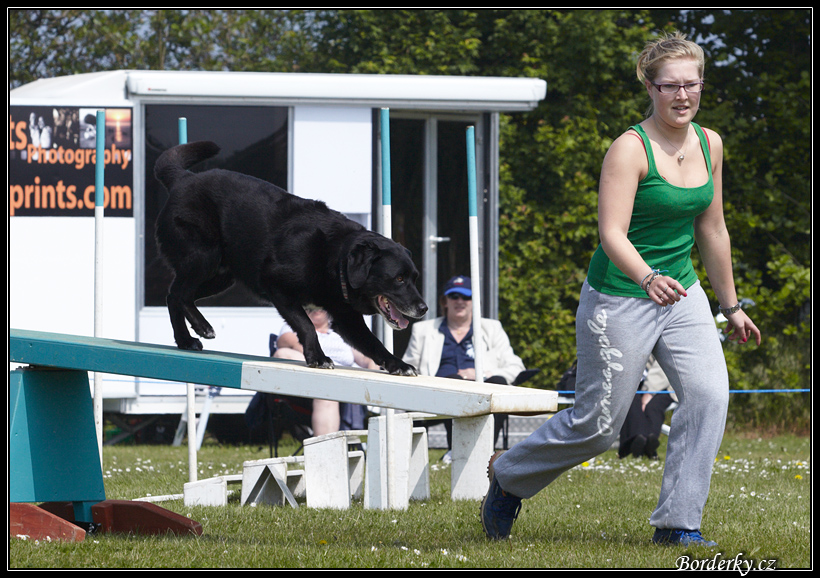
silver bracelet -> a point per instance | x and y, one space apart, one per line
729 310
655 274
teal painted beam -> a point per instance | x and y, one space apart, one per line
127 358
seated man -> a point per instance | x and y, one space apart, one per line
444 346
326 415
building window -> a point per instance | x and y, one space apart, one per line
253 140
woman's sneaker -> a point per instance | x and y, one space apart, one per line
681 538
498 508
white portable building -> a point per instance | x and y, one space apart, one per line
315 135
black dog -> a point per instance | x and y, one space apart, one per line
220 226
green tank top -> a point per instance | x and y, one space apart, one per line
662 228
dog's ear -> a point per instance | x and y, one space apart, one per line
359 259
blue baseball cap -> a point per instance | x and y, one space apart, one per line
459 284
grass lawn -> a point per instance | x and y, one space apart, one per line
595 516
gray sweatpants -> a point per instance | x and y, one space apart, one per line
615 336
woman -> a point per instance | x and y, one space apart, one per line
660 191
325 418
444 346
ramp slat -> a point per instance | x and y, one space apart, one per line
125 358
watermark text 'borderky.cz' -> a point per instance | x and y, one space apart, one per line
719 562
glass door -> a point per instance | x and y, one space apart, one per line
429 199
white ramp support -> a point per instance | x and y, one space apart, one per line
409 468
270 482
472 444
375 486
381 462
333 473
419 474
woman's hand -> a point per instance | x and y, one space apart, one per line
740 327
665 291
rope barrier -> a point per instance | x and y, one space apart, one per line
570 392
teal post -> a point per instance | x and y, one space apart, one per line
471 176
385 142
182 126
99 165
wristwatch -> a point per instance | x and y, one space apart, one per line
729 310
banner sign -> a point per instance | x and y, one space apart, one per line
52 154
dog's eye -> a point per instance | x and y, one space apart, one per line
400 279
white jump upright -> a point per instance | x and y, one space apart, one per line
392 493
475 268
99 214
331 474
190 394
478 430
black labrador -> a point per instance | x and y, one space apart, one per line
220 226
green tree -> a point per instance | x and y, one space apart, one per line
45 43
758 98
396 41
551 161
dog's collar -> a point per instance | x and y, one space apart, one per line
343 281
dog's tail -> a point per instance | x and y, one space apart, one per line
174 163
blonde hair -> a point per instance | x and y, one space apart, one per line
670 46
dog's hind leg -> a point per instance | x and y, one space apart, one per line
213 286
182 295
177 311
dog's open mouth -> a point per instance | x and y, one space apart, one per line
391 313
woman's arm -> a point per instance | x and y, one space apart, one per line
715 250
289 340
623 168
363 361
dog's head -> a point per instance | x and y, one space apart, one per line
381 278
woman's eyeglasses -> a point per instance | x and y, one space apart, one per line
674 88
455 296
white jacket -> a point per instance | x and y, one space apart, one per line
426 344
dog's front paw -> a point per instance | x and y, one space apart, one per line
398 367
321 363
